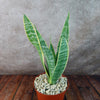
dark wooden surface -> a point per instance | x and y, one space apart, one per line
20 87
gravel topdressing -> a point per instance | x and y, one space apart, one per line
41 84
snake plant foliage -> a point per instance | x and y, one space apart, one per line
54 63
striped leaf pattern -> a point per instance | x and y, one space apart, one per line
61 60
65 33
36 39
54 65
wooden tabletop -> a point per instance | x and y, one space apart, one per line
20 87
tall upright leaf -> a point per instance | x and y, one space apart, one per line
62 60
33 38
36 39
65 33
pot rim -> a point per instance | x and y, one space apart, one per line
47 94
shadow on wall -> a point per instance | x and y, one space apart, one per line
86 58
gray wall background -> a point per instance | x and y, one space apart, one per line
18 56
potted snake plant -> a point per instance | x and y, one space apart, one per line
51 85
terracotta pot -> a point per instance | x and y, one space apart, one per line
51 97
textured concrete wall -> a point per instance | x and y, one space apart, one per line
18 56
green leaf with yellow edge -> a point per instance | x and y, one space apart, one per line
36 39
62 59
65 33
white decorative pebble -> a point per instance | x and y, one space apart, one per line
42 85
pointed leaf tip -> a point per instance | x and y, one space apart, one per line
24 16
